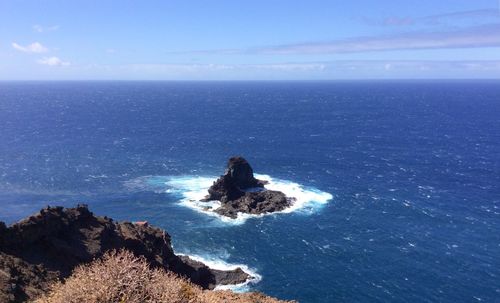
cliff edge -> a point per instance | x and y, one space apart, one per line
49 245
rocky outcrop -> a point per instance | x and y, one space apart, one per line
237 177
49 245
239 191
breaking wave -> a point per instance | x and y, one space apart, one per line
219 264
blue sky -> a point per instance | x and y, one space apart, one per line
249 40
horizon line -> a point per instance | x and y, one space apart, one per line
249 80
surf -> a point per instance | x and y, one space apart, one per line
218 263
191 189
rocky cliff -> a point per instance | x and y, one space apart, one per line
48 245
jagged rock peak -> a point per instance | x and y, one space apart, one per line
241 173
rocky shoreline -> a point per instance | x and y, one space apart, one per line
238 191
49 245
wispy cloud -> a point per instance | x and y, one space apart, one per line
480 15
290 67
480 36
40 29
416 65
224 67
469 37
396 21
53 61
34 47
221 51
351 69
325 70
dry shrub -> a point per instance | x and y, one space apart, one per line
121 277
229 296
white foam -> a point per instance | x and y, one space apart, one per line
305 198
219 264
194 188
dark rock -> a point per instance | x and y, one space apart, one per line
237 177
231 189
20 280
222 277
225 277
266 201
224 190
241 173
49 245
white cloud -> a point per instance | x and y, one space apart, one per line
53 61
40 29
34 47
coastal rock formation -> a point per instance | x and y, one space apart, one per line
239 191
50 244
134 281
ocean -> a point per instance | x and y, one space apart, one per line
398 182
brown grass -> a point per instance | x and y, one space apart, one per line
121 277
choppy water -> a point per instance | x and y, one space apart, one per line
399 181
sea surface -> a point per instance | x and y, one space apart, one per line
399 182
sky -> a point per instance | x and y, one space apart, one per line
249 40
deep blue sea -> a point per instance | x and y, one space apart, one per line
400 181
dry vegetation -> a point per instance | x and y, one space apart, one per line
121 277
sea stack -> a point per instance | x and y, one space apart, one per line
239 191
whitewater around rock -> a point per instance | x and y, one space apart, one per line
238 191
